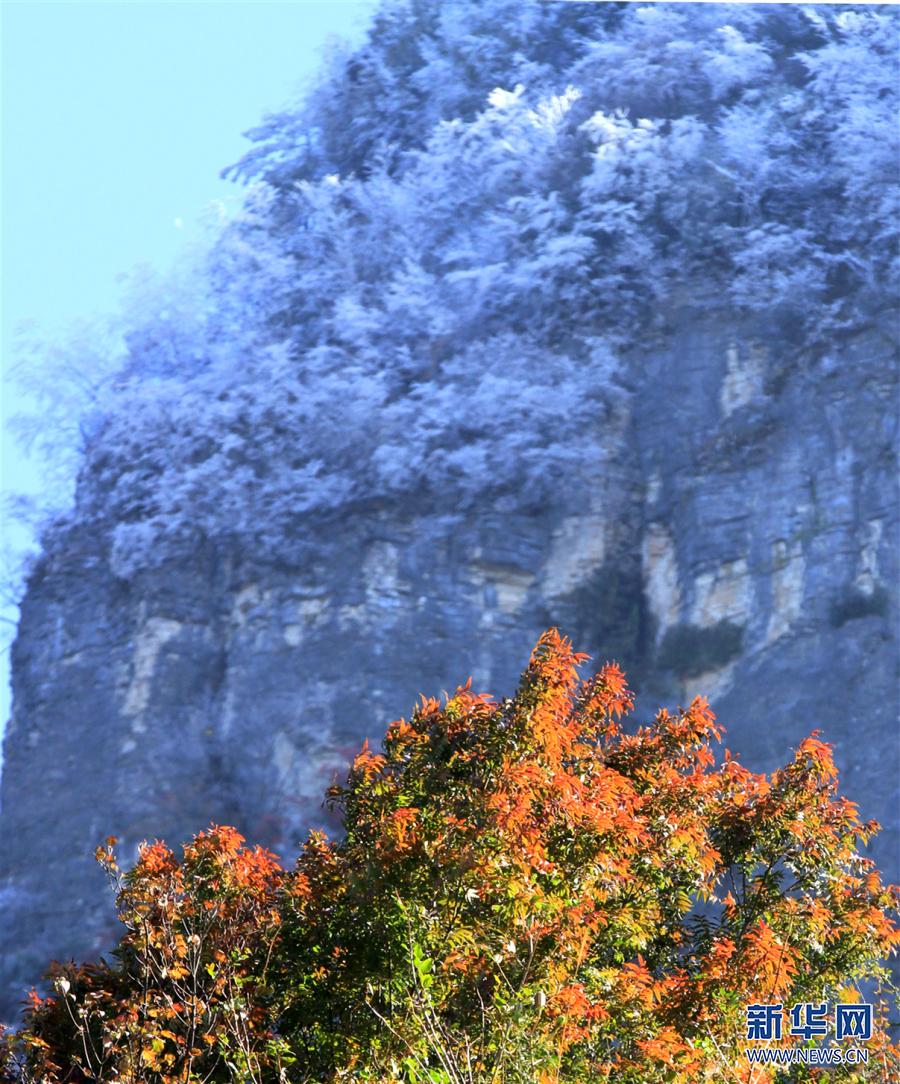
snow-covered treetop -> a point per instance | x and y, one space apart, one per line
448 245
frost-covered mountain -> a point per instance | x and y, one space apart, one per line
535 312
470 218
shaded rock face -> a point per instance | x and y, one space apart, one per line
741 542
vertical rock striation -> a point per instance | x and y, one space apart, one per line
578 314
741 543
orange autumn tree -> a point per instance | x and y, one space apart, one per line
525 892
186 998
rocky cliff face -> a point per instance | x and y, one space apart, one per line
578 314
732 532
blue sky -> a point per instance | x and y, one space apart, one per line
116 120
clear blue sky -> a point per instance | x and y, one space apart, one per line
116 120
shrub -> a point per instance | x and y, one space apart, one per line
853 605
186 998
689 651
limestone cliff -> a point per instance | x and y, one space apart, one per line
579 314
742 543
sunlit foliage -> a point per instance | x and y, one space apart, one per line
525 891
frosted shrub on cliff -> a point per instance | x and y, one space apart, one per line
390 350
447 245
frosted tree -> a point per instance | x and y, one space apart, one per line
447 245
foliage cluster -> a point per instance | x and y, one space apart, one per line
489 202
187 991
525 892
688 650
